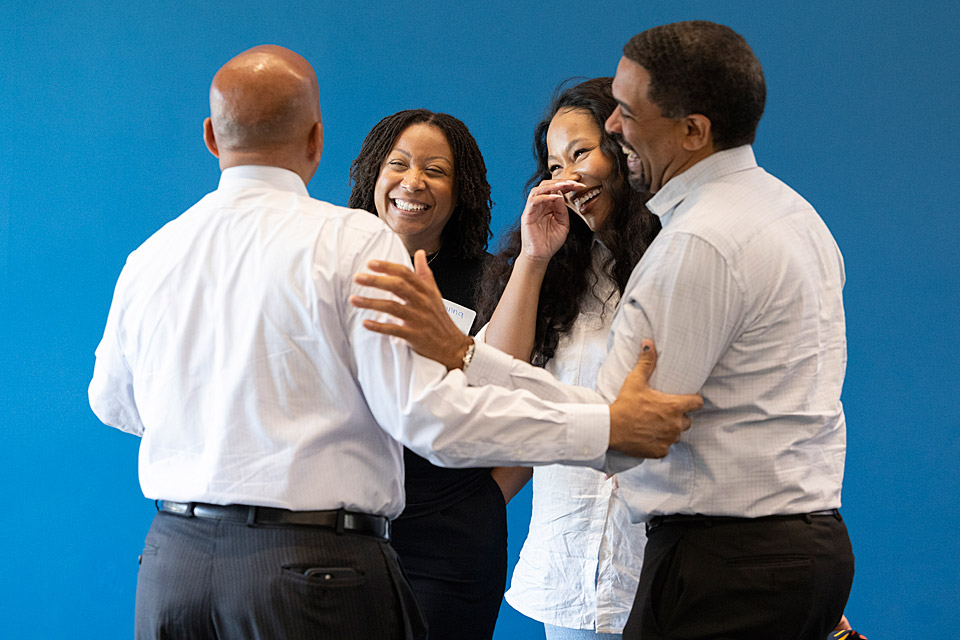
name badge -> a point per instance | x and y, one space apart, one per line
462 316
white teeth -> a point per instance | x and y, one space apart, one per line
628 151
403 205
584 197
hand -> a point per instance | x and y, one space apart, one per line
546 220
844 625
424 321
645 422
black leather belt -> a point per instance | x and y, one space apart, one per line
709 521
340 520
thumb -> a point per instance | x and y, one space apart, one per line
421 268
647 361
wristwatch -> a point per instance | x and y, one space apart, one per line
468 356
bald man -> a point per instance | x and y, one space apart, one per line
271 421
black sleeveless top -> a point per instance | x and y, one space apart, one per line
430 488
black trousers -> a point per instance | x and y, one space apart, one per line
202 578
779 577
456 559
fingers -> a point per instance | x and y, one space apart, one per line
545 199
690 402
387 328
404 286
422 268
557 186
647 361
390 307
389 268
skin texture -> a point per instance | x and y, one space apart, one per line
578 165
265 110
573 144
643 422
418 172
658 148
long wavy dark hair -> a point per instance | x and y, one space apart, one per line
627 231
467 232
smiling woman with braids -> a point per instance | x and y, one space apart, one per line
423 174
581 233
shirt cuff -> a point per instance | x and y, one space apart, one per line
588 434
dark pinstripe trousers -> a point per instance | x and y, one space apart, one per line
203 578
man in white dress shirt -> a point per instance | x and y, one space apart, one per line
271 421
742 292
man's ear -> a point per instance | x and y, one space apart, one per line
209 139
698 134
315 142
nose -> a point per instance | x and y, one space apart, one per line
570 172
612 125
412 181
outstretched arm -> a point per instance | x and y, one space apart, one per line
643 422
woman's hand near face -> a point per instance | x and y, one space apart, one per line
543 228
545 221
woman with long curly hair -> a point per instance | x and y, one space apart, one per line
580 235
423 174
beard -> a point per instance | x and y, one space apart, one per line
639 183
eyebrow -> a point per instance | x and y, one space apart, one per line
408 155
569 146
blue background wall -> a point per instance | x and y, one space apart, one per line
101 144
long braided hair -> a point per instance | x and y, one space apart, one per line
468 230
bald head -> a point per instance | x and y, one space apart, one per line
264 108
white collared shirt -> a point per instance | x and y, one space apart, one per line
232 349
580 564
742 293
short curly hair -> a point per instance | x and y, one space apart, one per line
467 232
706 68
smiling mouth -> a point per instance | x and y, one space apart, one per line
630 153
585 197
409 205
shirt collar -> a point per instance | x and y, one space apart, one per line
714 166
258 175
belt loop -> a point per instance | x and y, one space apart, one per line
807 518
251 516
836 514
190 507
341 520
156 503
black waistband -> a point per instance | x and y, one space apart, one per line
709 521
340 520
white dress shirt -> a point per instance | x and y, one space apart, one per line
742 293
581 561
231 348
